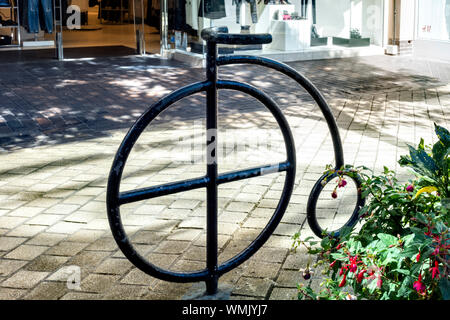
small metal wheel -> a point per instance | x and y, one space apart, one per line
312 206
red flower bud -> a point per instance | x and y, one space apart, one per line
418 257
334 194
344 280
410 188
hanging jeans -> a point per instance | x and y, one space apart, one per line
39 14
253 11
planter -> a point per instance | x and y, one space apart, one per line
315 42
345 42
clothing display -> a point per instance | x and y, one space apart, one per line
112 10
212 9
253 10
304 9
36 15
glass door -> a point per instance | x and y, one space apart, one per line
99 28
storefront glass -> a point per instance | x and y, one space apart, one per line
295 25
434 20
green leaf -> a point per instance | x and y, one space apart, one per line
338 256
440 151
387 239
444 285
405 288
443 135
422 162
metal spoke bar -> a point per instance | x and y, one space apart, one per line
186 185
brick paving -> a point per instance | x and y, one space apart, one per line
62 122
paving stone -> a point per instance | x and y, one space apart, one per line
172 247
137 277
44 219
9 243
46 263
26 231
47 291
26 252
11 294
8 267
240 206
255 287
11 222
24 279
289 278
67 248
88 260
46 239
65 227
88 236
81 296
283 294
126 292
114 266
26 211
184 234
98 283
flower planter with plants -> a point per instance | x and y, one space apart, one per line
401 250
355 40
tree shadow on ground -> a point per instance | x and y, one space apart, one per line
51 102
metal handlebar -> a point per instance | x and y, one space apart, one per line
221 35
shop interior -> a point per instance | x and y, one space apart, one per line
105 24
296 25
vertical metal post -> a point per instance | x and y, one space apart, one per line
164 31
57 18
212 172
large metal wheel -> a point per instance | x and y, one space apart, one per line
115 198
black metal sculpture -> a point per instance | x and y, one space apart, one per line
212 179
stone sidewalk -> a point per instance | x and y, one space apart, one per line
62 122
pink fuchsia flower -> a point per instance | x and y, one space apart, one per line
435 270
342 183
333 264
410 188
343 281
379 282
353 264
334 194
419 286
360 276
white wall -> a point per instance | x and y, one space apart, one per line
434 20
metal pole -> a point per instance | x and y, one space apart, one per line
212 172
164 29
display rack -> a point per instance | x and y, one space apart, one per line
15 28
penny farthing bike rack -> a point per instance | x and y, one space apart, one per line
212 179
